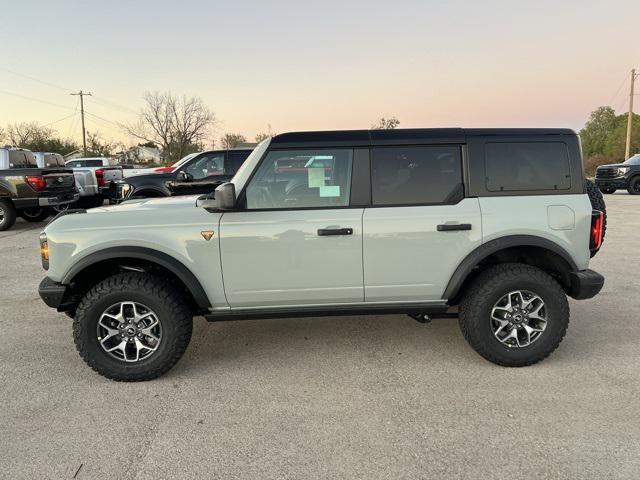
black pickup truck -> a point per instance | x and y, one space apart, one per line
29 191
620 176
197 174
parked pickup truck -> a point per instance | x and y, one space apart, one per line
29 191
195 174
417 221
93 177
620 176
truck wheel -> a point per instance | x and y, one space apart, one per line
7 214
132 327
514 315
35 214
634 186
608 191
597 203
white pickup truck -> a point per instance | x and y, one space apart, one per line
93 177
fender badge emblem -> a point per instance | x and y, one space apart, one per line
207 234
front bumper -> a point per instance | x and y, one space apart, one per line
52 293
617 183
58 200
585 284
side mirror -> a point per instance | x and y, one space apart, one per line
225 196
183 176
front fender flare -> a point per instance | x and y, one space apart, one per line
170 263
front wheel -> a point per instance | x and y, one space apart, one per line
132 327
7 214
634 186
514 315
35 214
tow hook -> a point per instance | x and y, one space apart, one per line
420 317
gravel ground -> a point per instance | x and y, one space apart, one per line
351 397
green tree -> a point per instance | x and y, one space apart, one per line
232 140
386 123
597 131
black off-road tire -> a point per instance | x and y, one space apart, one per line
8 217
35 214
634 186
597 203
161 296
487 289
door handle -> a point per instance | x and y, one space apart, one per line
322 232
450 227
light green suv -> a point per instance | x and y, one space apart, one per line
494 226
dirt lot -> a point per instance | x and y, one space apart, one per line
374 397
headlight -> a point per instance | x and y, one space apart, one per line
44 251
623 170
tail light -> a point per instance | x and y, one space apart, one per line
37 182
100 177
597 224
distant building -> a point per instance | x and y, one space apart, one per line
140 155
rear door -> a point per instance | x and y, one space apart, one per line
298 239
420 226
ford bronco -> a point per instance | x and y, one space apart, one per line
494 226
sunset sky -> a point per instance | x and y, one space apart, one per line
319 65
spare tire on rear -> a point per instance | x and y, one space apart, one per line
597 203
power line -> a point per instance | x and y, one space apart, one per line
34 79
113 105
35 99
58 121
624 80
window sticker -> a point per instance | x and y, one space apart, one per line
316 177
329 190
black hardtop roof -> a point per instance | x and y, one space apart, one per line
407 135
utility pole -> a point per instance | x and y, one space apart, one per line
84 133
627 149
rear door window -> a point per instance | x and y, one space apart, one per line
522 166
419 175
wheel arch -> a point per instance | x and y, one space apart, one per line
98 265
147 191
528 249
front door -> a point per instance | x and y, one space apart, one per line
419 227
296 241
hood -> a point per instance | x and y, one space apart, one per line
614 165
143 204
145 178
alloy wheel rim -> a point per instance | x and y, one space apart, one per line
518 318
1 215
129 331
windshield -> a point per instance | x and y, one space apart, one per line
243 173
635 160
184 159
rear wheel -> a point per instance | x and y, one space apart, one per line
35 214
7 214
132 327
634 186
514 315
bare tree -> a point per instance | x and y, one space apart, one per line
172 122
2 134
28 133
386 123
232 140
264 135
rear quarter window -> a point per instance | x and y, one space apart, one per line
523 166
